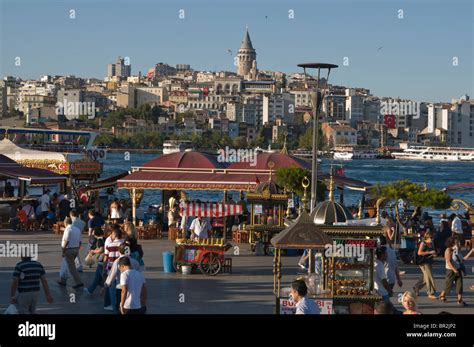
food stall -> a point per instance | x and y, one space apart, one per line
267 207
208 255
343 277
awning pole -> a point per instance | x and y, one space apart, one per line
224 232
134 207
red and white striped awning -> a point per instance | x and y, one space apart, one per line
212 209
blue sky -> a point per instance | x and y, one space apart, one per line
415 60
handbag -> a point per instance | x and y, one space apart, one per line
11 310
64 271
90 259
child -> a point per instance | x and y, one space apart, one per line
409 303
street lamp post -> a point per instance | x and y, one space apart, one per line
314 164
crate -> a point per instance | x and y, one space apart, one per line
227 265
240 236
58 228
173 233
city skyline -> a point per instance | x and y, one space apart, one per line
383 53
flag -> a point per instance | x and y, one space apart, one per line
389 120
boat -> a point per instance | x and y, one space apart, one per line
349 152
57 140
343 155
174 146
436 153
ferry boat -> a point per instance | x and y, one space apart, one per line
56 140
173 146
348 153
436 153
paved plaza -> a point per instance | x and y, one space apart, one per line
247 290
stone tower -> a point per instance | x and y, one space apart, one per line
247 59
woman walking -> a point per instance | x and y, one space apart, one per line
455 269
425 254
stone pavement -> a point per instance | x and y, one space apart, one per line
248 290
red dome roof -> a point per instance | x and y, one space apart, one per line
279 160
187 159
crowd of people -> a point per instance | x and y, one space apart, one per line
118 257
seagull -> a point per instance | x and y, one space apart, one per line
379 48
229 51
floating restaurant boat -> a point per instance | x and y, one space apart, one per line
57 140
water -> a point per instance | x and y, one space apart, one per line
434 174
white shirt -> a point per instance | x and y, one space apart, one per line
391 265
200 228
44 203
456 226
114 272
134 281
73 235
305 306
379 275
115 213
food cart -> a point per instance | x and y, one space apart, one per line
342 281
268 204
206 254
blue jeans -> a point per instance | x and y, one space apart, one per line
97 278
110 298
386 298
14 223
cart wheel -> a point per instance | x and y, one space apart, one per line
210 264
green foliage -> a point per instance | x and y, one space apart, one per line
305 140
292 177
415 194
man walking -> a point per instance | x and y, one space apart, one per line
26 280
71 244
133 299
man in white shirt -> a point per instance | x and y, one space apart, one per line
134 293
113 277
391 264
456 225
380 278
80 224
71 243
303 305
44 203
200 227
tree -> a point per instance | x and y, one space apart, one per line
305 140
240 142
292 177
414 194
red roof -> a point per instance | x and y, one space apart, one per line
279 160
12 169
187 159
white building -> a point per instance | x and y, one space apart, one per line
278 106
354 107
456 119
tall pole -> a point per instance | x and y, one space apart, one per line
314 168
